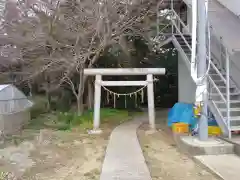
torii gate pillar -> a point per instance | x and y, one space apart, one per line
151 105
97 102
124 71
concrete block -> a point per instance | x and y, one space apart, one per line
235 140
213 146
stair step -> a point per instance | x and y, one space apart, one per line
234 121
231 89
231 101
217 97
222 83
183 41
220 80
234 118
216 74
185 35
233 104
224 93
234 112
224 87
184 45
235 128
216 78
231 109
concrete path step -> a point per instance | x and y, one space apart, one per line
124 159
226 166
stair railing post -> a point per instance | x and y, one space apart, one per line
172 16
221 53
228 92
158 15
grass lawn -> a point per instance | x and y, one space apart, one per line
71 121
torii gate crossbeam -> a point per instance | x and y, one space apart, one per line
149 72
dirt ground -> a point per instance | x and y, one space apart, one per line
54 155
165 162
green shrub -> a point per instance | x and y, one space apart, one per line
63 102
64 127
69 118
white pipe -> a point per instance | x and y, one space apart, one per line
194 41
228 96
196 79
209 38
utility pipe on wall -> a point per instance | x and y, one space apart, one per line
199 71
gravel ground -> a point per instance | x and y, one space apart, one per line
165 162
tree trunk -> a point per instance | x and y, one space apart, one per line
48 100
90 95
48 94
80 107
82 82
30 89
80 90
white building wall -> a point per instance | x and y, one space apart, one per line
216 48
186 86
231 5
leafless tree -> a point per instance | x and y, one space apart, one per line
61 38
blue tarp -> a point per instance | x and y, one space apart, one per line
182 112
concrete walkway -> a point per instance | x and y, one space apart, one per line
226 166
124 158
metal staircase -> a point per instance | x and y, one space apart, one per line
218 99
224 95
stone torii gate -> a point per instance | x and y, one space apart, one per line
149 72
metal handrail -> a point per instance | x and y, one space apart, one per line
221 42
215 86
219 38
165 27
232 63
218 72
180 20
226 80
228 93
180 33
219 112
